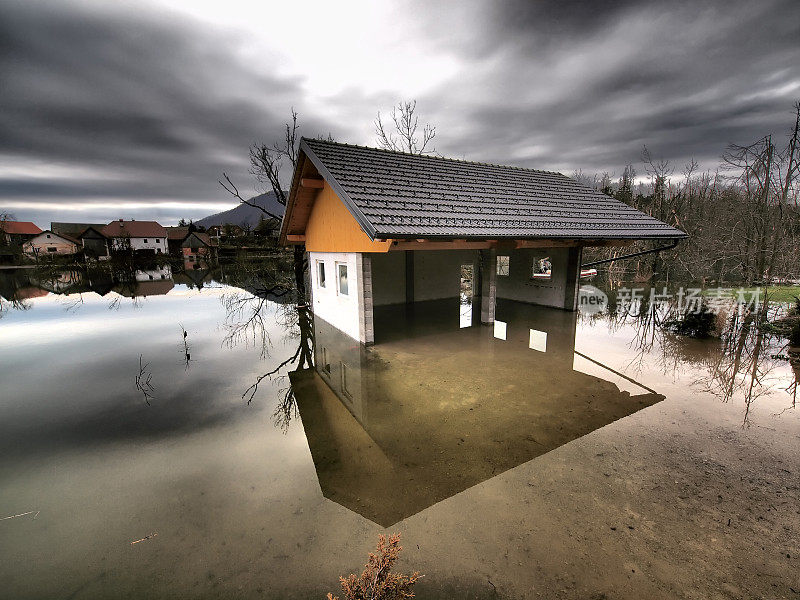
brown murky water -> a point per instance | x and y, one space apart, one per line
552 455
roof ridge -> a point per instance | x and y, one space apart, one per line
434 157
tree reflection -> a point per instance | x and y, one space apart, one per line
249 312
740 359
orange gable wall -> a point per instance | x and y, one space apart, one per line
331 227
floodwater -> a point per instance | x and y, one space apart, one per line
176 436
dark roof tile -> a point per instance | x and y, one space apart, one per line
393 194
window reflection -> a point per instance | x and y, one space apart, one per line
503 265
542 268
343 289
538 340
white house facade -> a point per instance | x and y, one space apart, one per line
49 243
147 236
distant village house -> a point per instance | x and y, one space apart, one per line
16 233
49 243
136 236
175 237
95 243
198 246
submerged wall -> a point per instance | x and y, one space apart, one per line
382 279
434 275
559 291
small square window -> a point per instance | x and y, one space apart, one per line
321 273
541 268
503 265
48 236
145 240
342 279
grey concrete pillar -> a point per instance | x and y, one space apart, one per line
488 285
366 325
409 276
573 280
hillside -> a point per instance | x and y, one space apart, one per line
244 215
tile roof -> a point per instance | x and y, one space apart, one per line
203 237
74 229
138 229
63 236
20 227
177 233
396 195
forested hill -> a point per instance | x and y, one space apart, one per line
244 215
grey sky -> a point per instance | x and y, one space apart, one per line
134 109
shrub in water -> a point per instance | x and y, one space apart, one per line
377 581
698 323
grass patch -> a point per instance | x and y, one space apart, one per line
775 293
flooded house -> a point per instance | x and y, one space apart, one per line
197 246
439 406
386 228
89 236
139 236
95 243
175 237
49 243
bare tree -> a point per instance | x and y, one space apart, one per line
4 218
266 163
405 135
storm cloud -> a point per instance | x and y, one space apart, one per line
116 109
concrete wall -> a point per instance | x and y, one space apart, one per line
558 291
381 279
437 273
351 313
388 278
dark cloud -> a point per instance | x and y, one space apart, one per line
147 100
583 85
153 107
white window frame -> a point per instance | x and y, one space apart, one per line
339 265
321 271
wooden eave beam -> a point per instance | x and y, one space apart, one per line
316 183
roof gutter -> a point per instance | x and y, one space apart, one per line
624 256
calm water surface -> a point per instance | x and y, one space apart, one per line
170 441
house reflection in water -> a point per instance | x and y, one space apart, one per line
435 408
155 281
131 283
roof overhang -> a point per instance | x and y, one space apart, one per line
307 180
